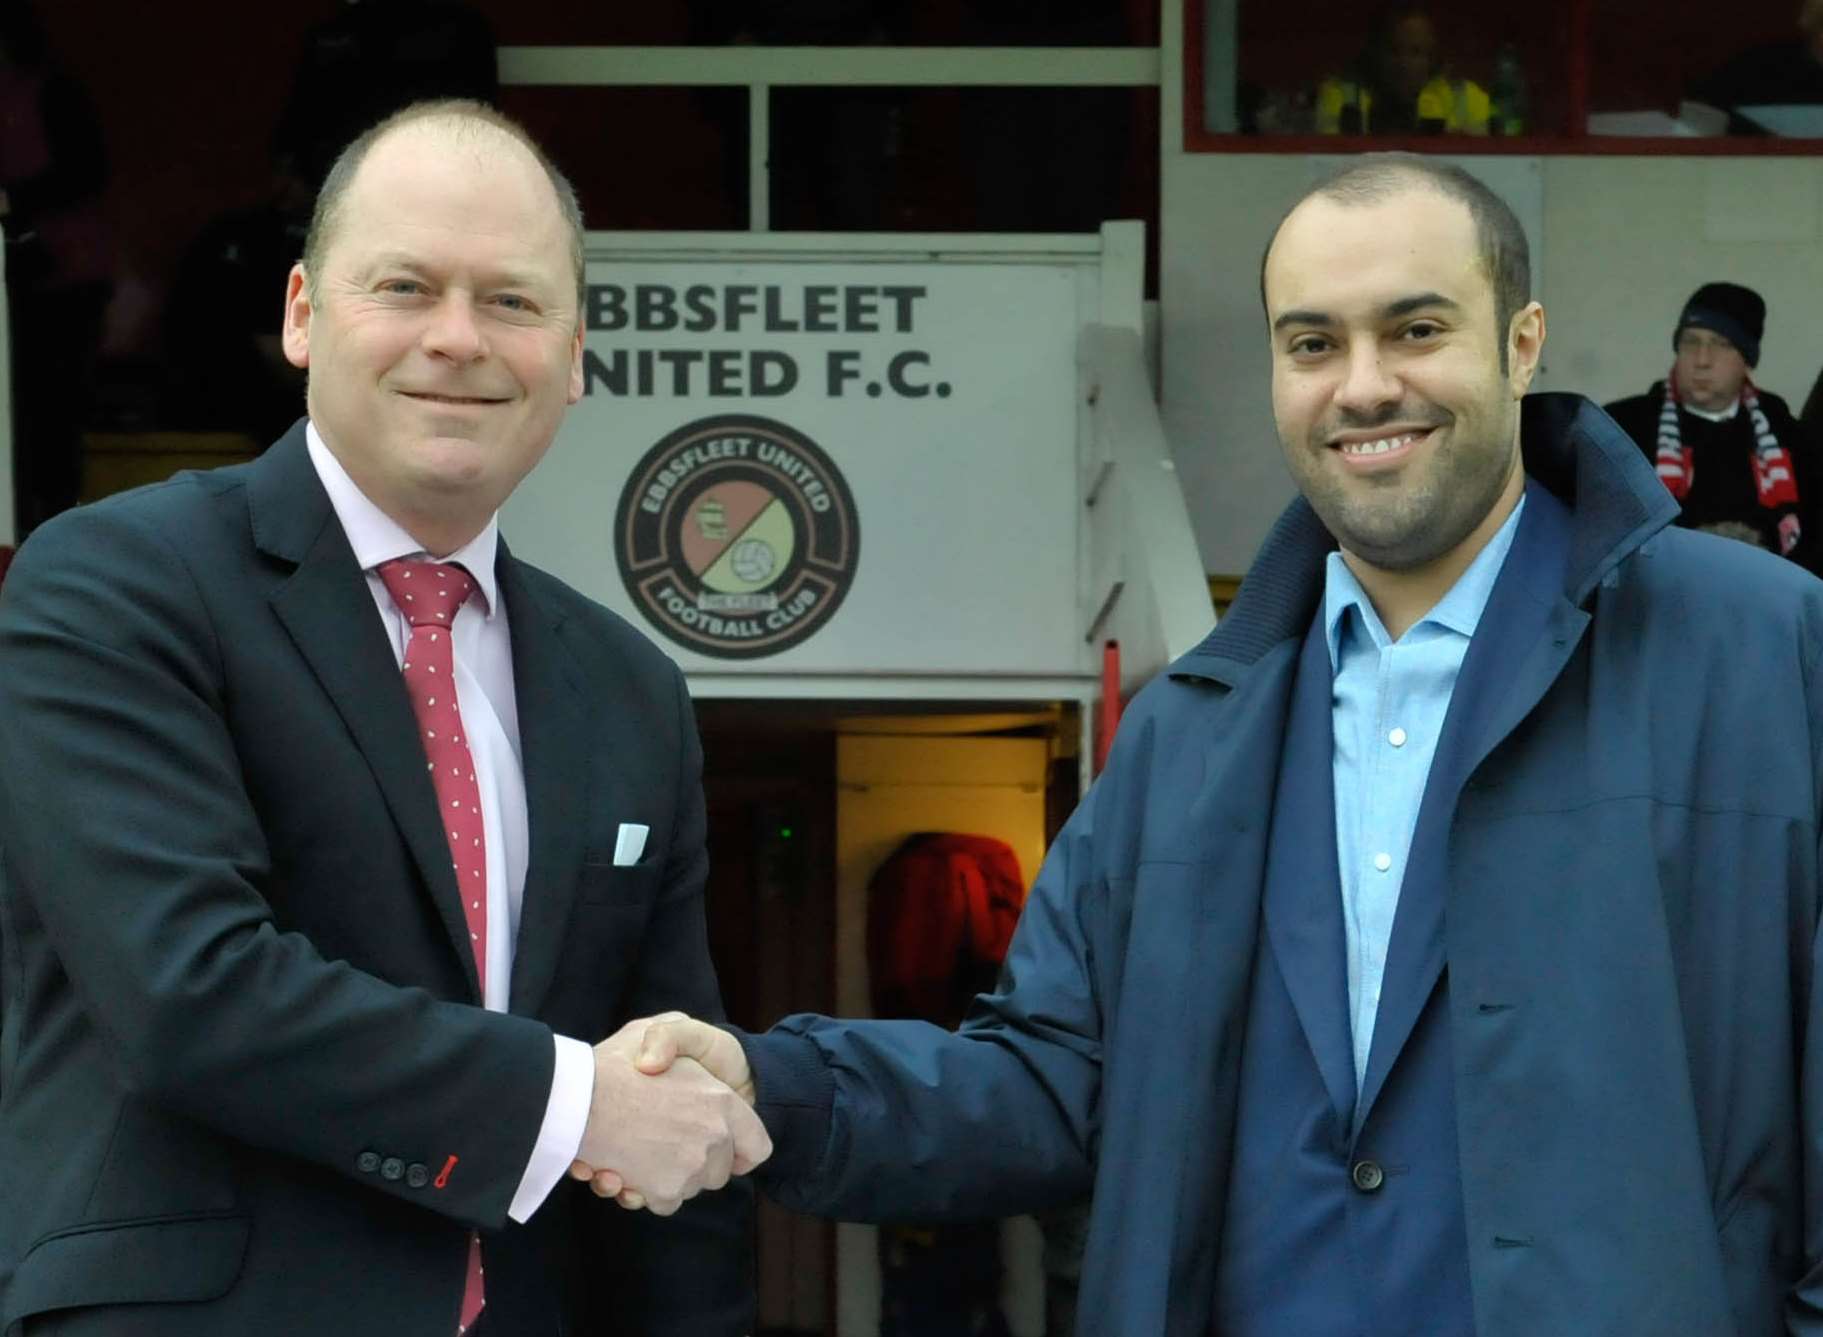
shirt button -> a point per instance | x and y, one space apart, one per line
1367 1176
1383 862
1396 738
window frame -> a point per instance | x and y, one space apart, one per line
1577 141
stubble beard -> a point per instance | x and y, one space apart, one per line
1401 522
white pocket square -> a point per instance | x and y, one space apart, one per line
630 844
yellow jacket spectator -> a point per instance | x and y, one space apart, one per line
1399 87
1346 106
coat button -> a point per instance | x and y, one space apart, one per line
393 1168
367 1162
416 1176
1368 1176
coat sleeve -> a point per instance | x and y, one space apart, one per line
1804 1306
900 1120
127 830
692 1274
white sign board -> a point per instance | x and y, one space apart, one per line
818 464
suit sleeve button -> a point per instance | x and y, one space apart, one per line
392 1168
367 1162
416 1176
1367 1176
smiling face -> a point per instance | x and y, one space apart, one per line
441 337
1396 417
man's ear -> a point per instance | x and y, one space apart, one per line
296 333
576 377
1525 346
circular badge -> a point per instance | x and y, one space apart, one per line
737 537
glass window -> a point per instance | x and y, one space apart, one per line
1660 68
1337 67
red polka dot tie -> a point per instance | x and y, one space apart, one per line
429 593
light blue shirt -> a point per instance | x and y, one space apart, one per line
1387 711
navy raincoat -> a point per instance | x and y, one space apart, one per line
1630 929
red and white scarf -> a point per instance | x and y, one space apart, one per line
1773 474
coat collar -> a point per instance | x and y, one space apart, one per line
286 501
1570 447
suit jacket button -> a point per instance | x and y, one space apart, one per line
367 1162
392 1168
416 1176
1367 1176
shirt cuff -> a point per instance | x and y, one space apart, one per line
566 1115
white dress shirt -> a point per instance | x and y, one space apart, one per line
481 638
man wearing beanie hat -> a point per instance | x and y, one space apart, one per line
1732 454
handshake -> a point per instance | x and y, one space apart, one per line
672 1114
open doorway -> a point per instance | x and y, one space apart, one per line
805 799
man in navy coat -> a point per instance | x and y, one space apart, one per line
1438 953
303 1021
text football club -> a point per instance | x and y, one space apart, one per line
737 537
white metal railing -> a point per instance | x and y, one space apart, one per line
1153 595
1145 581
760 69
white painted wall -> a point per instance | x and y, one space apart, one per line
1632 237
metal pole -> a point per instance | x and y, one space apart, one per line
759 157
7 446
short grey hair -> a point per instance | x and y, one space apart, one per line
458 114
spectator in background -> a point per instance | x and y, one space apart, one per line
1811 415
1784 73
1400 85
1047 159
372 59
227 367
59 262
1731 453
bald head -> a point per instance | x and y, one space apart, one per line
446 123
1374 178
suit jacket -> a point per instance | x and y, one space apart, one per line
245 1081
1630 923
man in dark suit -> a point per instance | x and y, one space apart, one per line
314 885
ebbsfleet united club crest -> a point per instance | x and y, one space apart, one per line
737 537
